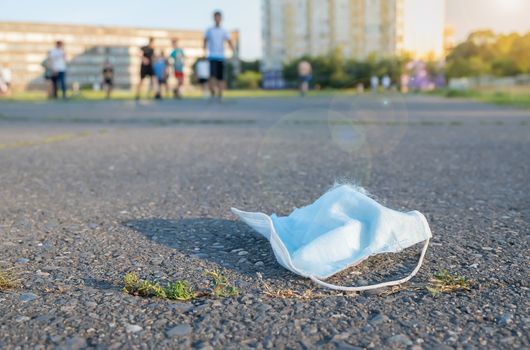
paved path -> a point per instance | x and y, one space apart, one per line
92 190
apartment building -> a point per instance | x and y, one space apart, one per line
293 28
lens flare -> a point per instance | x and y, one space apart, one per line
299 154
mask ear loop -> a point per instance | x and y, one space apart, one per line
379 285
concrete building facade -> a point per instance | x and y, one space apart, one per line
293 28
24 46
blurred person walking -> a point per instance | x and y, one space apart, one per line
374 83
386 82
3 86
214 40
48 73
146 67
57 59
404 82
177 58
108 78
202 71
305 72
161 70
6 77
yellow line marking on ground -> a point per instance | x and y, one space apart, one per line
49 140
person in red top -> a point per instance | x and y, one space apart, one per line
177 58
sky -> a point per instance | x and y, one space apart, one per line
503 16
245 15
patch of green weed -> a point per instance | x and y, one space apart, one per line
178 290
220 286
444 282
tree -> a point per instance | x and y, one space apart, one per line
484 52
505 66
250 66
248 80
359 71
334 71
338 77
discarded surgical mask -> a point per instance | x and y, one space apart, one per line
339 230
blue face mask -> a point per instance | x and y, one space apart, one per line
339 230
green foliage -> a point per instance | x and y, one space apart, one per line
444 282
248 80
360 71
334 71
485 52
179 290
220 285
505 67
252 66
131 281
150 289
459 93
519 97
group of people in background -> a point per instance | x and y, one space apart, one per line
386 82
155 67
210 71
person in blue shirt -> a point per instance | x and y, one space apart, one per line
214 43
177 58
160 68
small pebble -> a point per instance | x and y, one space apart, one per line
76 343
399 339
133 328
505 320
26 297
379 319
179 331
21 318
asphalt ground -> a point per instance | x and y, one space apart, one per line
93 190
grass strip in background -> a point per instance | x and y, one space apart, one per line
515 97
129 95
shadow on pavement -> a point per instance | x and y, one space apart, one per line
233 245
229 244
